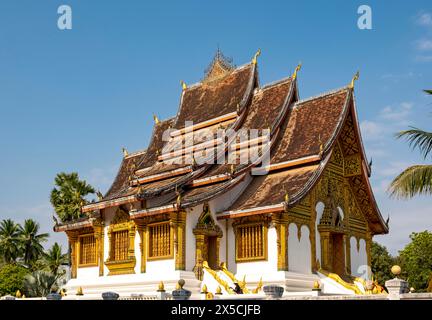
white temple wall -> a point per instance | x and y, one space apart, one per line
158 267
231 263
258 269
137 252
88 272
299 251
359 265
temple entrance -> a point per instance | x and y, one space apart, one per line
212 253
338 255
207 240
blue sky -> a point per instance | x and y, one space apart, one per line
71 99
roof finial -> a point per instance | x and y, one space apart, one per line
297 69
255 58
183 84
156 119
125 152
354 79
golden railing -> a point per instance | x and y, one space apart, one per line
222 282
339 280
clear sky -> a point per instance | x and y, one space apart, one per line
71 99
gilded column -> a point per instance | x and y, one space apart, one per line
199 245
99 237
218 240
131 249
142 231
281 225
73 243
181 241
347 239
326 250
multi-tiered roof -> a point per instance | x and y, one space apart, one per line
300 137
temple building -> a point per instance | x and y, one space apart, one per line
246 184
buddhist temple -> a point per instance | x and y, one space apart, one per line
246 184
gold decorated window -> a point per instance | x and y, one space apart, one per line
87 250
160 244
120 245
251 242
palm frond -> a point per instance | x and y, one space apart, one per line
418 138
415 180
428 91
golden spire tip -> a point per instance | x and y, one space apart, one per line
354 79
255 58
183 84
297 69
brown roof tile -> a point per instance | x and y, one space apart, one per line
266 105
310 122
270 189
206 101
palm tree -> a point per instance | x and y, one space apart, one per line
31 241
54 258
9 240
69 196
417 179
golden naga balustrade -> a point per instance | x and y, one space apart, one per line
225 285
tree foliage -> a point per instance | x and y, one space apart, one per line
12 279
69 195
9 240
416 260
54 258
382 262
31 241
417 179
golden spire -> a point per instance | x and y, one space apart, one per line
219 290
18 294
286 197
156 119
255 58
204 289
321 146
79 292
183 84
354 79
125 152
178 200
161 287
297 69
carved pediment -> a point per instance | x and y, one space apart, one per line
206 224
120 216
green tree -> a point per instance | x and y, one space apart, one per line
12 278
69 195
54 258
31 241
416 179
382 262
9 240
416 260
